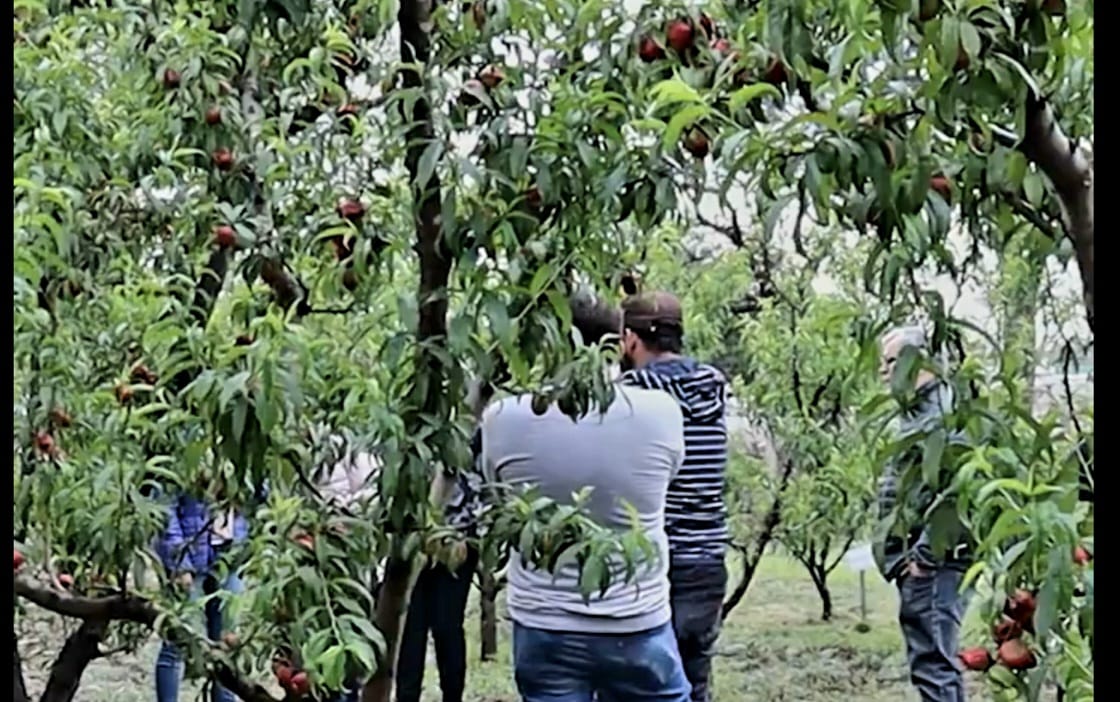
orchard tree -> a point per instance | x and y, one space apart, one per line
237 223
937 130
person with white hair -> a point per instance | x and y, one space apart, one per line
931 604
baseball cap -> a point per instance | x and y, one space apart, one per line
649 311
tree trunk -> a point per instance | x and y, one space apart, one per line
488 613
820 581
19 690
1071 173
392 605
80 649
414 18
750 562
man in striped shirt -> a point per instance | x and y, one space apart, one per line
695 516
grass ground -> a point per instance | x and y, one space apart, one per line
774 648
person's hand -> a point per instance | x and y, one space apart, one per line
185 580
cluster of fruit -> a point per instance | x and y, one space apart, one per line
225 235
683 35
1007 632
292 680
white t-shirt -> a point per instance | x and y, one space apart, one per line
629 454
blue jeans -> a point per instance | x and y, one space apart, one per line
931 607
552 666
169 662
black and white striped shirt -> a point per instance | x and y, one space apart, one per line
695 514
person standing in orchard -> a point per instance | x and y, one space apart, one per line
695 515
620 645
439 599
931 604
195 550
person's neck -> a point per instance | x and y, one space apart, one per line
657 358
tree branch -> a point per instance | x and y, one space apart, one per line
82 647
116 607
97 612
1071 172
19 689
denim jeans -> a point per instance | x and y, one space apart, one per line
931 607
169 662
697 592
553 666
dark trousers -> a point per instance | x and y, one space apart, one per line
697 590
931 607
438 604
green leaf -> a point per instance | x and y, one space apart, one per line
672 91
561 307
747 94
931 458
1016 169
427 165
1034 188
540 279
950 41
683 119
970 39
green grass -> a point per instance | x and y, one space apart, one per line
774 648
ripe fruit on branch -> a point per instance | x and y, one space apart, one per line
171 79
243 340
469 96
231 639
214 116
696 142
300 685
963 60
680 34
1006 629
1016 655
66 580
1020 606
976 658
776 73
649 50
142 374
44 443
284 675
940 185
1081 556
350 210
722 46
223 159
305 540
17 559
123 393
348 110
533 197
225 236
491 76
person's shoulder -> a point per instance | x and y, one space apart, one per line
649 400
507 408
